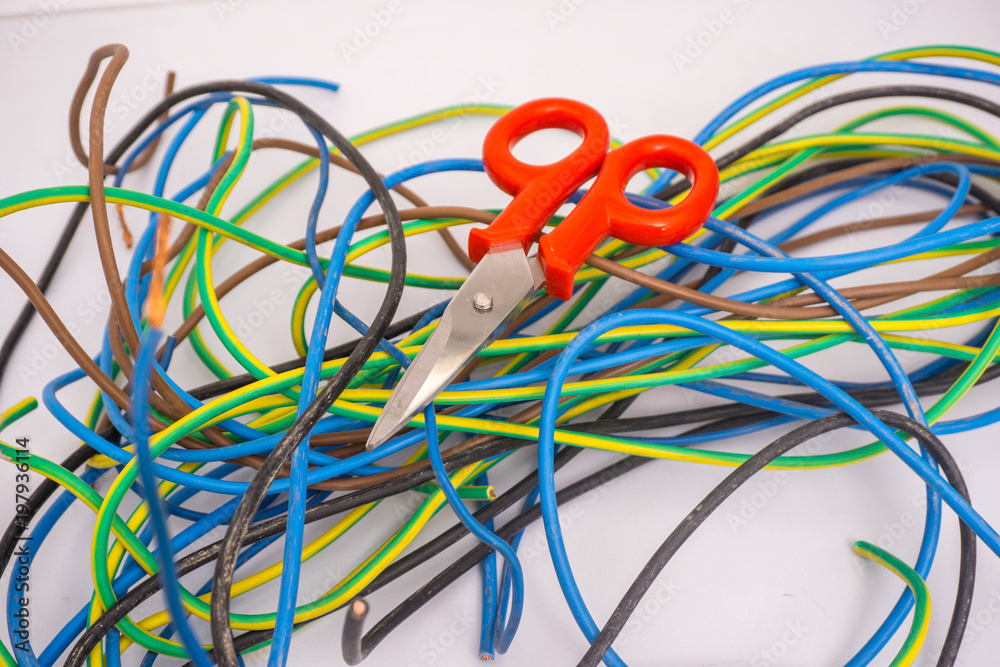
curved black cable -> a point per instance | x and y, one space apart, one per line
719 417
242 517
756 463
449 575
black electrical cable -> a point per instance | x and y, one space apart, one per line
353 632
756 463
449 575
717 418
275 526
275 461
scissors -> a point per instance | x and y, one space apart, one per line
505 278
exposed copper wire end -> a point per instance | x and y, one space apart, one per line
155 303
126 234
359 608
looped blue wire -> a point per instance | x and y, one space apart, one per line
164 552
503 631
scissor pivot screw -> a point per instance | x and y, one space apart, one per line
482 302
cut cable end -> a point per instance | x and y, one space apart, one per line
354 627
359 609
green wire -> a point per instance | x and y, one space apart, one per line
922 608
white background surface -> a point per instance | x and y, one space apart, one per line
734 589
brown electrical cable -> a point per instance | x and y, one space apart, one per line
876 294
127 335
121 328
864 169
68 341
76 111
849 228
173 406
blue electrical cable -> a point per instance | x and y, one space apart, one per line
313 219
165 555
503 630
776 359
488 568
310 381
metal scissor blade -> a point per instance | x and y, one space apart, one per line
495 292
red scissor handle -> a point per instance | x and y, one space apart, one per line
538 190
604 211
